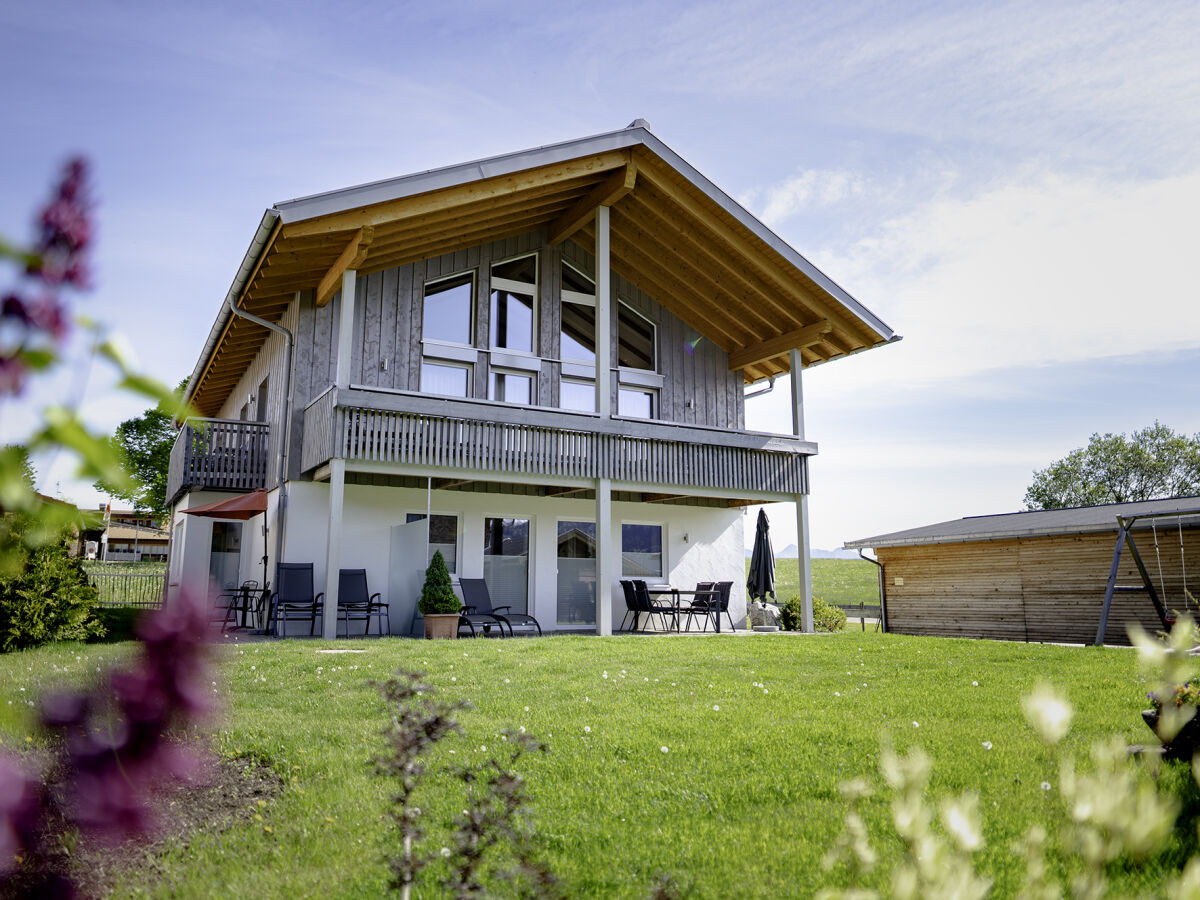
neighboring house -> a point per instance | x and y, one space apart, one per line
1042 575
125 535
428 345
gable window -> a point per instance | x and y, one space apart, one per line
448 309
641 551
635 340
514 287
637 403
578 330
510 387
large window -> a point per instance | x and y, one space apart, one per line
578 335
448 308
443 535
577 573
506 562
514 287
635 340
641 551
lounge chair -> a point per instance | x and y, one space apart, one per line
478 609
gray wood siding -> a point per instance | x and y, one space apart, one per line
698 388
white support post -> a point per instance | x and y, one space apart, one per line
345 347
603 316
605 556
803 543
333 546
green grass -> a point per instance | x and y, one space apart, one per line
743 802
834 580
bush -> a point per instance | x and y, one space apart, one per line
118 623
48 599
826 616
437 596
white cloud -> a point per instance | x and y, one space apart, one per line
804 191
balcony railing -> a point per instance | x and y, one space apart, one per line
219 455
481 438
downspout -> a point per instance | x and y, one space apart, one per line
770 387
882 592
287 398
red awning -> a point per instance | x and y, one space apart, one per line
244 507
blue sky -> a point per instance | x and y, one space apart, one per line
1012 187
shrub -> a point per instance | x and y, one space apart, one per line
437 596
826 616
48 599
119 623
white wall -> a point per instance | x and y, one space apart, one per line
713 552
191 543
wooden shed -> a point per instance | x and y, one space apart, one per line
1042 575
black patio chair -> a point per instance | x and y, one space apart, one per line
294 598
701 603
651 607
478 609
632 608
710 606
356 605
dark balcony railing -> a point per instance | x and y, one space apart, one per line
220 455
486 438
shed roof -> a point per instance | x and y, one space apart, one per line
1035 523
673 233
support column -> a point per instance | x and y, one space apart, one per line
603 316
333 546
803 543
345 346
605 556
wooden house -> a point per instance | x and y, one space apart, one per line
1043 575
534 363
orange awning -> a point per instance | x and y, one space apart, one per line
244 507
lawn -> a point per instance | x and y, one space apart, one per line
715 759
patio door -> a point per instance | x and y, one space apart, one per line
225 554
506 562
577 574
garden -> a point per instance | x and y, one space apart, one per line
705 767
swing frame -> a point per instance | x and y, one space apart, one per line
1125 538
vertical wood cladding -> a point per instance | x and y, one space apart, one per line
1034 588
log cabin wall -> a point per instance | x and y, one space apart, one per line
1047 588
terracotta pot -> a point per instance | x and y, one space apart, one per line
1186 741
441 625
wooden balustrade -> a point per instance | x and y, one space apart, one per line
484 438
218 454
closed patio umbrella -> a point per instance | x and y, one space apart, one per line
761 579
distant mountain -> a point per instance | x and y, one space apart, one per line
792 552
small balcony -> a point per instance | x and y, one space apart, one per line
414 433
218 455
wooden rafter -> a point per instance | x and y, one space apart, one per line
799 339
351 258
606 193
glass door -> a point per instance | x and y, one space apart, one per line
506 562
577 573
225 554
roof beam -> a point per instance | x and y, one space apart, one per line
606 193
460 195
351 258
798 339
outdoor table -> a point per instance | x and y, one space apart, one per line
676 593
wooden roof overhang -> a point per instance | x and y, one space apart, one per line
673 233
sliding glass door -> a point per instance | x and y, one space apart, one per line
506 562
577 573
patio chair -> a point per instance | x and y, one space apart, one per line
631 605
294 598
652 607
714 606
701 604
356 605
478 608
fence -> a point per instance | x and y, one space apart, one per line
131 590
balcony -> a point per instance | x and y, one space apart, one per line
218 455
418 434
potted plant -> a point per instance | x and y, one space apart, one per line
1184 743
438 604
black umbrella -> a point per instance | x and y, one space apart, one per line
761 580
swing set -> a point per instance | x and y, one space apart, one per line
1125 538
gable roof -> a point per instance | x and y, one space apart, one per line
674 233
1035 523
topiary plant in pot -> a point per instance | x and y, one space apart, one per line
438 604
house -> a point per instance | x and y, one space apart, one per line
1078 575
411 365
123 535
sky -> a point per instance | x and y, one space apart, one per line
1012 187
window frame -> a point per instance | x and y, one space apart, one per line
662 544
472 314
516 287
623 305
